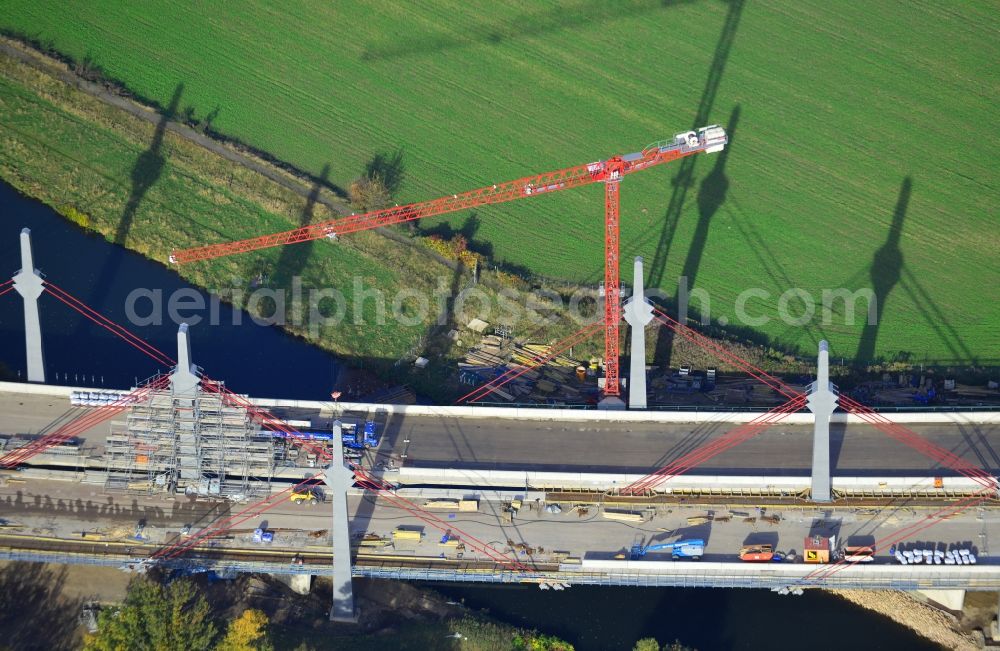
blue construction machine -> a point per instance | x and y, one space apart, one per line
693 548
360 437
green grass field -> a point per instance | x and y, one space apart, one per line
836 106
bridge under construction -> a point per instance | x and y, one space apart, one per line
181 472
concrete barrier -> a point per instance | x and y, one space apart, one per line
608 481
602 416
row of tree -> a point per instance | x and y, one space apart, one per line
174 617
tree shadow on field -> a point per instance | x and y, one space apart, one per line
684 178
34 614
294 257
885 272
447 319
525 25
468 230
389 168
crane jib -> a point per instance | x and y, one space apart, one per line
707 139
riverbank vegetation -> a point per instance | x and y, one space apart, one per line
178 616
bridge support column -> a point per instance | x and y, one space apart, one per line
28 283
338 480
299 583
184 379
953 600
638 314
822 402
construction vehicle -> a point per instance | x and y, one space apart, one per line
760 554
367 438
369 435
693 548
304 494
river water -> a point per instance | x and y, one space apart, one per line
600 618
264 361
260 360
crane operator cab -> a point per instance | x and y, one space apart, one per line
709 139
688 138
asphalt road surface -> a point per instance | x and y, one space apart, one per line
501 444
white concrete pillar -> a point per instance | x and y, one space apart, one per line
28 283
822 402
299 583
638 314
339 479
184 379
953 600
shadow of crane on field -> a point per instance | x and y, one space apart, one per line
447 319
711 196
294 257
685 172
885 272
525 25
937 320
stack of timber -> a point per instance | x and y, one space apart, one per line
553 382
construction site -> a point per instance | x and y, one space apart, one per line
549 495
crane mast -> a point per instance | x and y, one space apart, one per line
610 172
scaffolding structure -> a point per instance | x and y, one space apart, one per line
191 444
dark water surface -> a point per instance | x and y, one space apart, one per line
260 360
600 618
264 361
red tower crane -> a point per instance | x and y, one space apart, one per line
610 172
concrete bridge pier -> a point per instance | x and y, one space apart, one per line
299 583
184 379
953 600
338 479
638 313
822 402
28 283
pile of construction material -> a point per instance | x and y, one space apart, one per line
492 352
557 382
934 555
